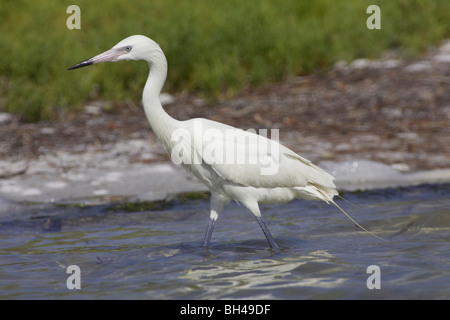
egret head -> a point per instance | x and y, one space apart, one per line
135 47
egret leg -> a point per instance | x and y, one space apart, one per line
253 206
208 234
218 202
268 235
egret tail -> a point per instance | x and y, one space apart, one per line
353 220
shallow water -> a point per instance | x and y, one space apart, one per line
152 250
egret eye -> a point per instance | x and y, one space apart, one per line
128 48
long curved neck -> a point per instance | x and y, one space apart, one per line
161 123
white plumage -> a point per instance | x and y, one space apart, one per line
234 164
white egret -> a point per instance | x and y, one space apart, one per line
243 181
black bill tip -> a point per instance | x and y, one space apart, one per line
85 63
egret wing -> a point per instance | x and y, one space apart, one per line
246 158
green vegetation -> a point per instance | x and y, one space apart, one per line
213 47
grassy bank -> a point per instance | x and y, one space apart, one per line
214 47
